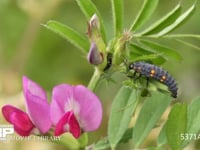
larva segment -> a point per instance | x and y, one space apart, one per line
157 73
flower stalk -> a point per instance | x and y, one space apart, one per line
94 79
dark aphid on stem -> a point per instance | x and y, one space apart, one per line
109 61
151 71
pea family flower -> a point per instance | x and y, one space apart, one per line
94 56
75 109
37 117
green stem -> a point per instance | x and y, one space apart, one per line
113 148
94 80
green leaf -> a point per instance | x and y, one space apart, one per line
179 21
68 33
189 44
146 11
194 116
122 110
102 144
127 135
117 11
176 125
150 113
166 51
182 36
147 57
137 52
164 21
162 138
155 148
89 9
193 120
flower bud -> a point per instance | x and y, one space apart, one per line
94 56
93 25
94 21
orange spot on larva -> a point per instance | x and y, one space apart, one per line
153 71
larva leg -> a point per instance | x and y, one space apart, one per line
136 78
147 84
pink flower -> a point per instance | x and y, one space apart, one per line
75 109
38 111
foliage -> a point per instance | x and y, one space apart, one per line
137 43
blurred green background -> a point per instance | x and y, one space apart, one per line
27 48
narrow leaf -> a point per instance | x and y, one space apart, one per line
146 57
150 113
164 21
121 112
117 11
135 48
194 116
162 138
193 127
179 21
68 33
137 52
166 51
189 44
144 14
155 148
182 36
89 9
102 144
127 135
176 125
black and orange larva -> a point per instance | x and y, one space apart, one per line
151 71
109 61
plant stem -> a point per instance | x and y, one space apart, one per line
94 80
113 148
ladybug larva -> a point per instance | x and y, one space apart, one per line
109 62
151 71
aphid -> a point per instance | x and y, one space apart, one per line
154 72
109 61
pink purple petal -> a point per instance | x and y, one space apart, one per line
94 56
85 105
33 88
20 120
60 95
90 108
68 123
37 105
